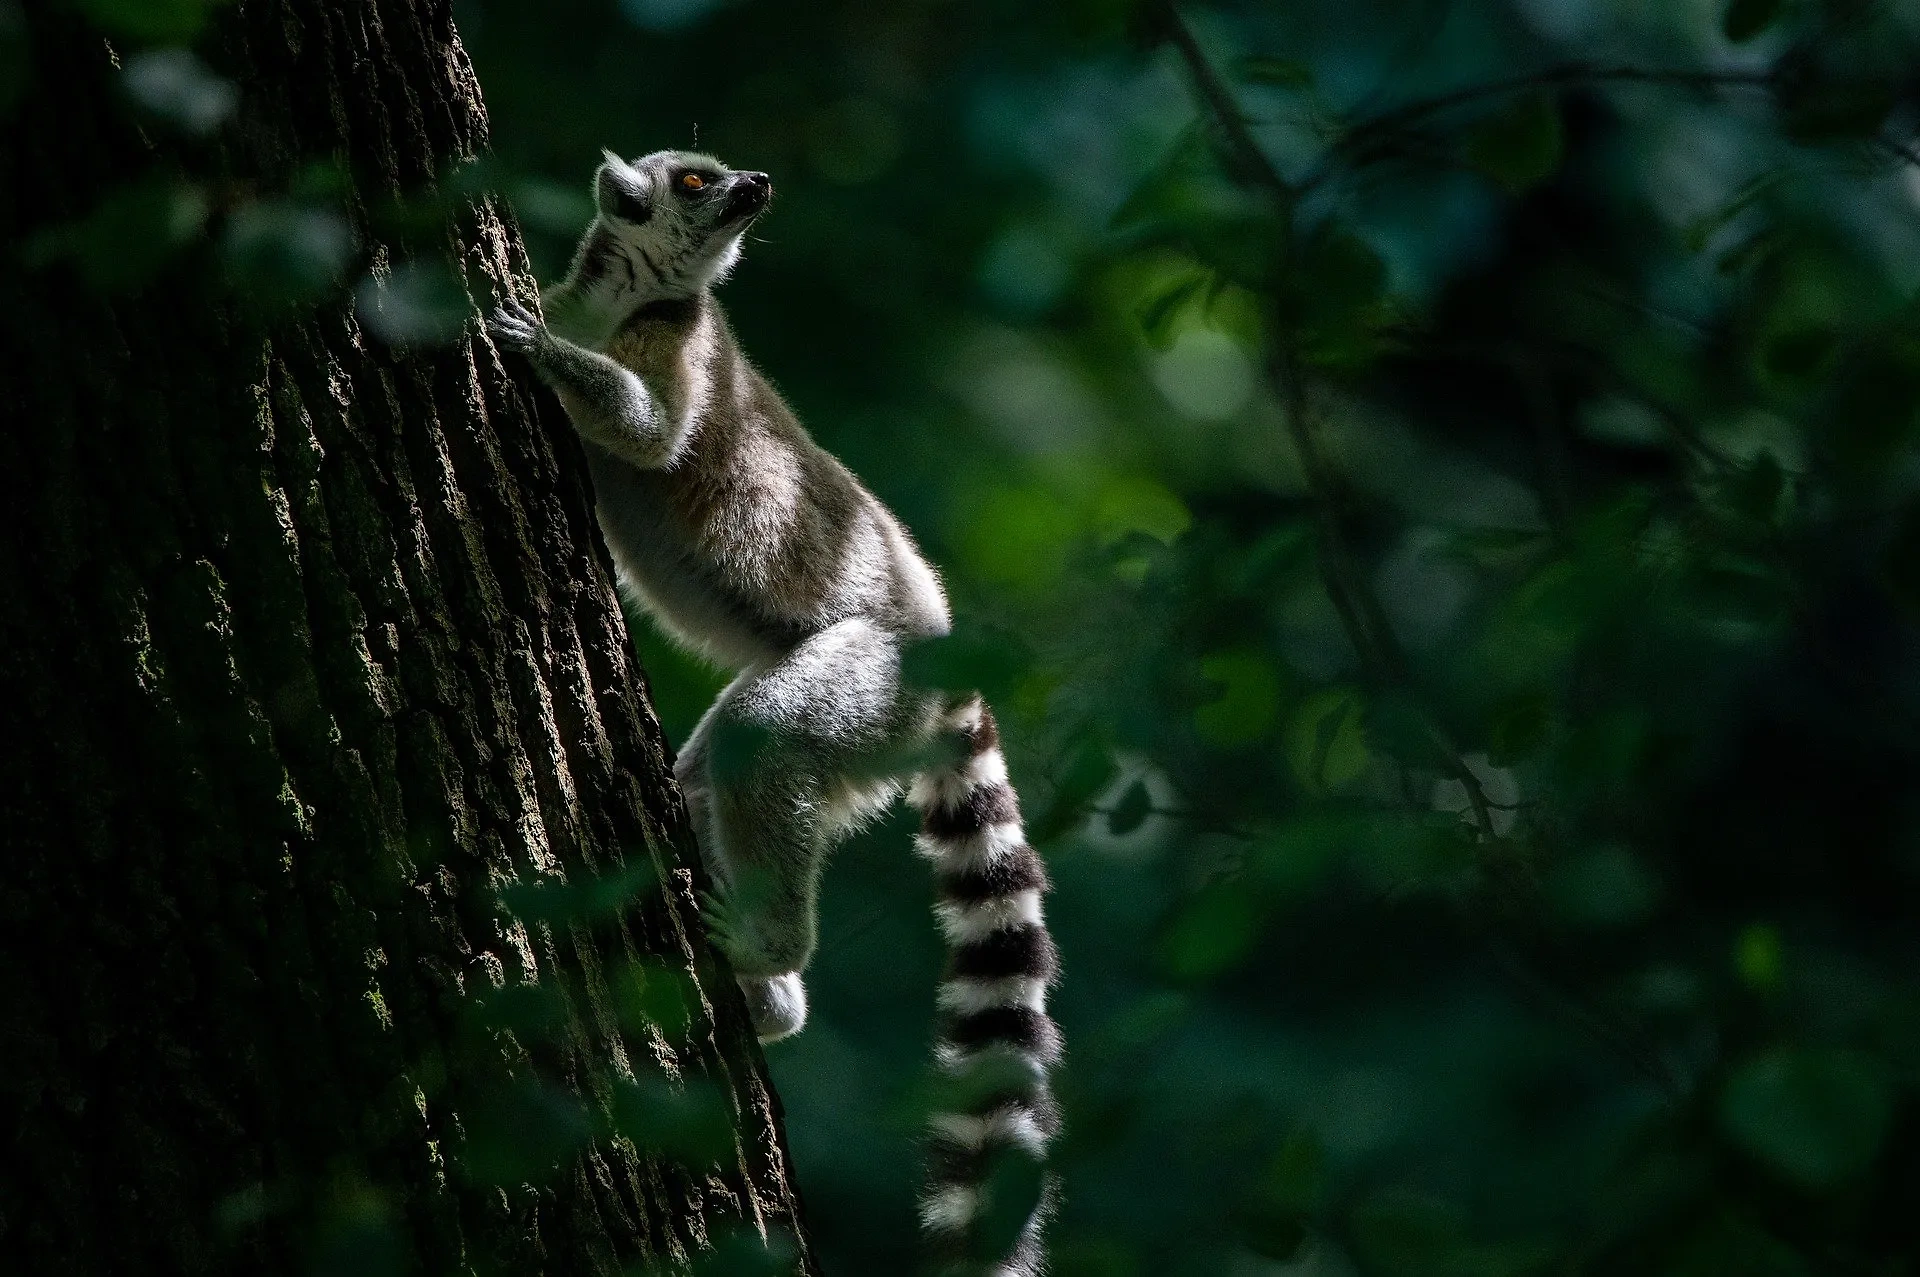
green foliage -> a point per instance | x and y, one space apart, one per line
1520 146
155 21
1816 1116
524 1133
128 238
1449 587
1746 19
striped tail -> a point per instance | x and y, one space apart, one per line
995 1043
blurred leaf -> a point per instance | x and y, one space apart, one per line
1521 145
1798 355
1519 728
736 1252
1211 932
1758 956
1335 298
1013 1187
1132 503
1605 887
1269 1231
1297 1179
1753 252
691 1122
1397 726
281 254
1283 73
1729 1243
1079 1256
1249 699
523 1134
549 206
1754 491
177 86
531 1012
1158 314
1828 107
1131 811
1874 411
1698 231
1403 1234
1900 563
1088 770
585 899
129 238
420 303
971 659
1746 19
1018 536
1816 1115
1293 858
1339 273
357 1233
653 995
158 21
1326 743
982 1084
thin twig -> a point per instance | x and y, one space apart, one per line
1361 615
1900 150
1220 103
1567 73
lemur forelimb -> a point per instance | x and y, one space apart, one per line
750 544
606 403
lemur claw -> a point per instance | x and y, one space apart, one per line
514 327
721 921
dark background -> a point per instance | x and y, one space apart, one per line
1597 322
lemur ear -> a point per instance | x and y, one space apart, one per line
621 193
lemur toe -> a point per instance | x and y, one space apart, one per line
778 1004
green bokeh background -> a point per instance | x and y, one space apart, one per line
1618 380
1609 366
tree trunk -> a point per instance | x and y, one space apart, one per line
347 916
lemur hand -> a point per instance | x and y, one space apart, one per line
723 923
515 328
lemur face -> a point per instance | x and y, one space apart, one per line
675 217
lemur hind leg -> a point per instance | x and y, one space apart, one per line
788 759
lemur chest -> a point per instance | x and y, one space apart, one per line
738 481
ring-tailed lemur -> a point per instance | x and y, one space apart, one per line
751 544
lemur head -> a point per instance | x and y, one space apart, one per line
669 223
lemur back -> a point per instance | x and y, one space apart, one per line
753 546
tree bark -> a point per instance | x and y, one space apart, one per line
317 692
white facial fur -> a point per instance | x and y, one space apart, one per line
655 238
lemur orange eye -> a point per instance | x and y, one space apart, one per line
692 182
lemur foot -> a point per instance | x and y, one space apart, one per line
778 1004
514 327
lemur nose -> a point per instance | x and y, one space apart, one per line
757 179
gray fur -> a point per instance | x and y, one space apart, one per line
745 540
751 545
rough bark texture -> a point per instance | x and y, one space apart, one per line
309 651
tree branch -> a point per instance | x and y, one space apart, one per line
1242 151
1360 612
1568 73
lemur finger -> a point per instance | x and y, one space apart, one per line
511 330
718 916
